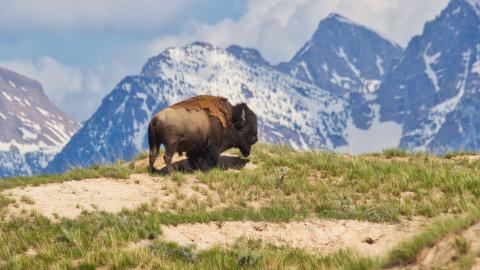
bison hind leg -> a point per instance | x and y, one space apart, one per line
154 151
170 149
153 156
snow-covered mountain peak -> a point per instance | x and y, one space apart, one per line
196 51
249 55
343 57
475 5
340 19
458 15
8 77
32 128
434 89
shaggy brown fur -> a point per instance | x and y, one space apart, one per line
216 106
202 126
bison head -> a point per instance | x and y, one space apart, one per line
245 122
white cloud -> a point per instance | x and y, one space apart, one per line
278 28
56 78
397 19
77 92
100 15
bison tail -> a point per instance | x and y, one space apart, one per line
154 144
153 140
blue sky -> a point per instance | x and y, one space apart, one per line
84 46
79 50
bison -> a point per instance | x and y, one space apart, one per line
203 127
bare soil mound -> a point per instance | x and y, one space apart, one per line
314 235
69 199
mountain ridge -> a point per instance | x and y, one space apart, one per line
342 56
33 129
432 91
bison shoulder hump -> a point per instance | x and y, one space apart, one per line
218 107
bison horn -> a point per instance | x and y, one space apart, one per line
243 115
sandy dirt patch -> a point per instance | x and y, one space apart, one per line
69 199
444 254
469 158
317 236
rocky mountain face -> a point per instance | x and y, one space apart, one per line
289 111
32 129
434 91
348 60
343 57
249 55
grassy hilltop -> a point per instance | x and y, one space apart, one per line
276 185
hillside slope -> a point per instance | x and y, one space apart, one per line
279 209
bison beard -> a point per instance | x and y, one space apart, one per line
204 127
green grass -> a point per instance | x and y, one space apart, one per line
178 177
407 252
117 170
102 234
395 152
333 186
462 245
102 240
378 189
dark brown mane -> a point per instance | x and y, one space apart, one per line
216 106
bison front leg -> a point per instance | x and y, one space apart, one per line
212 157
203 160
195 159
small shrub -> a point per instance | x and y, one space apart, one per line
27 200
172 249
178 177
395 152
461 245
